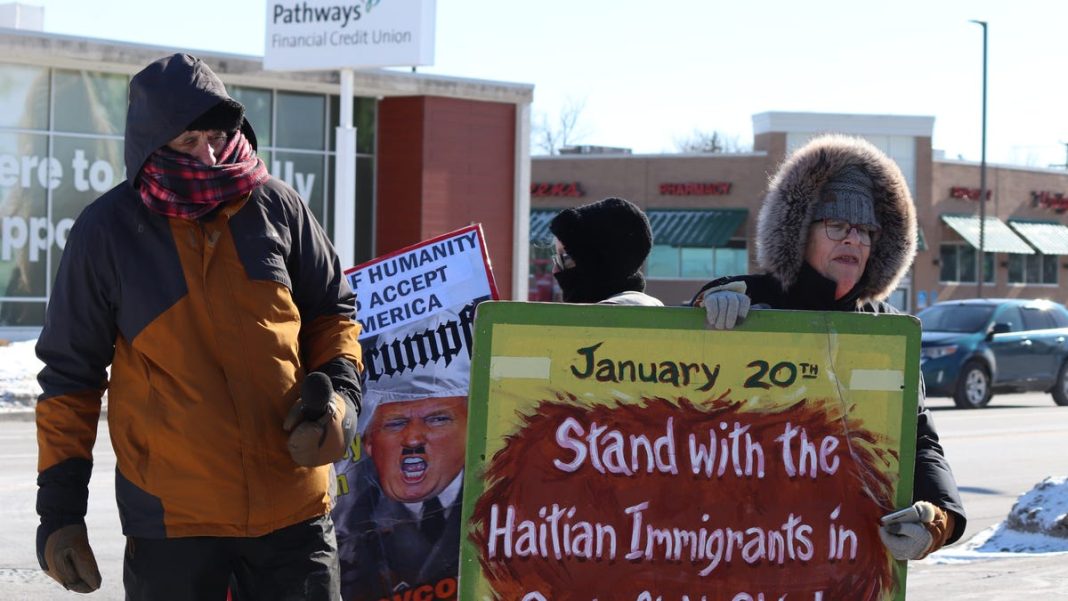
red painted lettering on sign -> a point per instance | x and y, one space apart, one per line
695 189
558 189
444 590
968 193
1050 200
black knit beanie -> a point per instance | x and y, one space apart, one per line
226 116
609 241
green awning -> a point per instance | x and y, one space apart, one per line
704 228
1049 237
997 237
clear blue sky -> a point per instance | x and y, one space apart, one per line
652 72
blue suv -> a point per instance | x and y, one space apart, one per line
974 348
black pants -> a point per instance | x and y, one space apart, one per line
298 562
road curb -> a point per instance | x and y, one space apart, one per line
18 415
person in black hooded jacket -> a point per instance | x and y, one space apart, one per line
836 232
209 290
600 250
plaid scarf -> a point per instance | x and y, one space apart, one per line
177 185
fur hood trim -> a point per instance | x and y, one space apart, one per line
785 216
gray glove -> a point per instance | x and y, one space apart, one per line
907 534
726 306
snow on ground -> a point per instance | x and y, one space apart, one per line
18 376
1037 524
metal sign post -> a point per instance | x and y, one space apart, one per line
982 178
345 176
322 34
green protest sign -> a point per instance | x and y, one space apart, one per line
629 453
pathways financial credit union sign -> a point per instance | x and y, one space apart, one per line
337 34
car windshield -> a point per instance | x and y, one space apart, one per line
955 318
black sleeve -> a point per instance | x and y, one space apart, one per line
762 289
62 499
346 382
713 284
933 480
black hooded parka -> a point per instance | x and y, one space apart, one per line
207 326
789 282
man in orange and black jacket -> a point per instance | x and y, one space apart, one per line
211 292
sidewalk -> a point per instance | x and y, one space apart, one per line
1001 579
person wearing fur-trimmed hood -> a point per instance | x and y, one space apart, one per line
836 232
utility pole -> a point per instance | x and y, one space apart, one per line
982 178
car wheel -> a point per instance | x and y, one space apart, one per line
973 386
1060 387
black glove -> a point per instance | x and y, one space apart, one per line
62 543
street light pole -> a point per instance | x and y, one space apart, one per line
982 177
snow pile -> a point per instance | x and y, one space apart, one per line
18 376
1037 524
1043 510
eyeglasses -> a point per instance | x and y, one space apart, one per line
839 230
563 261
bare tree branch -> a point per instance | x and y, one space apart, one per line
550 136
711 142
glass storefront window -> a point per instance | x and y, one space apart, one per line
50 173
959 264
363 120
696 263
90 103
304 172
266 157
23 97
1049 269
1033 269
663 262
948 258
1016 269
257 103
968 265
365 209
731 261
26 173
301 120
542 286
91 166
